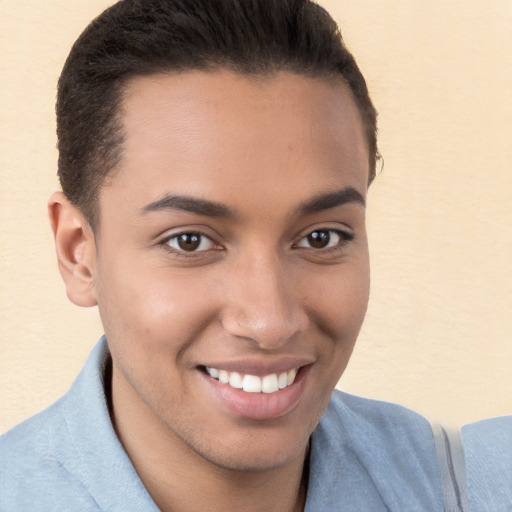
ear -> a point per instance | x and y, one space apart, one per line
75 248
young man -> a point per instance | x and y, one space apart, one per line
214 161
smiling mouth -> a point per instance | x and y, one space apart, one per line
271 383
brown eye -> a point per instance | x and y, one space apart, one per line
190 242
325 239
319 239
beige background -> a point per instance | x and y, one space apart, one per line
438 336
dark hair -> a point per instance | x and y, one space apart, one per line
142 37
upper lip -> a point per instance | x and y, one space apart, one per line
260 367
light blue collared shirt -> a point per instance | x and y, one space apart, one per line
366 456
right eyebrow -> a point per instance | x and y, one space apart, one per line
332 200
189 204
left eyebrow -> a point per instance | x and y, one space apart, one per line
331 200
189 204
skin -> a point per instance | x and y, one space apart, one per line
256 292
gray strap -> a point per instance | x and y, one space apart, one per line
452 466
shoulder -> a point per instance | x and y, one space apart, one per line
34 457
41 459
68 457
33 442
375 456
488 454
493 432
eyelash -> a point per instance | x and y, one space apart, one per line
323 235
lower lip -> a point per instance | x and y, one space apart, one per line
259 406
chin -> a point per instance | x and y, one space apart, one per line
240 459
254 449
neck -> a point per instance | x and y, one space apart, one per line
180 479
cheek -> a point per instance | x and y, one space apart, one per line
150 321
339 300
154 309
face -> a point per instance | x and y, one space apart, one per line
231 270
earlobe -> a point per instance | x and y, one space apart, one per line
75 249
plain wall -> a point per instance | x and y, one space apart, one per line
438 334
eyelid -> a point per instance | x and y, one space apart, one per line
338 227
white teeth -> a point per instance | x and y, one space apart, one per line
252 383
213 372
269 384
235 380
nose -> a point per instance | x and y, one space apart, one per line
263 303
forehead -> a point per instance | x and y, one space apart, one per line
199 131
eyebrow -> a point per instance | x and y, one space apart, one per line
189 204
212 209
331 200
